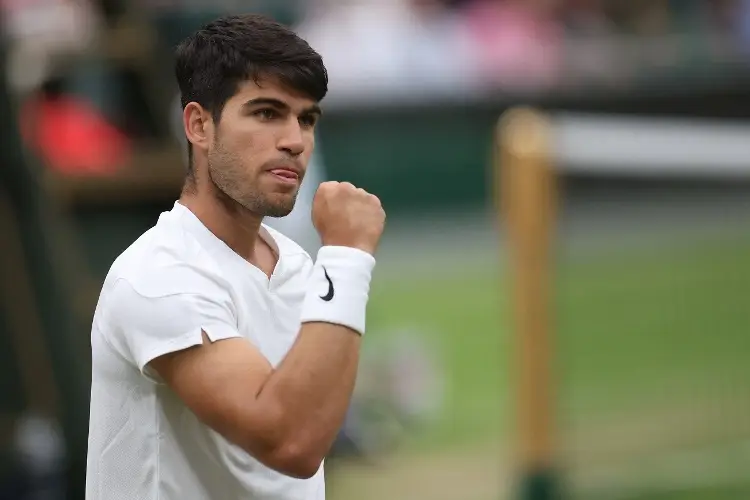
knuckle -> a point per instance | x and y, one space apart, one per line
325 188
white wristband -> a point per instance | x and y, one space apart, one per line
339 287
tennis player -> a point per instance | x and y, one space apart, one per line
224 359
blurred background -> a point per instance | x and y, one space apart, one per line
650 273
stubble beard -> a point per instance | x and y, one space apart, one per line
233 188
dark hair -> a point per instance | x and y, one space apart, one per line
212 62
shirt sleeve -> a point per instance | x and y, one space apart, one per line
152 321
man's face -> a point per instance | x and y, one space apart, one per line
261 146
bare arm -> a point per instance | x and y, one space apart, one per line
286 418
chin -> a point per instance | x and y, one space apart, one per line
278 209
277 213
276 205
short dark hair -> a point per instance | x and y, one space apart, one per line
212 62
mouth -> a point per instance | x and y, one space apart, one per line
285 175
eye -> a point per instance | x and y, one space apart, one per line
266 114
308 121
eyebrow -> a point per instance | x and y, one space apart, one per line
277 103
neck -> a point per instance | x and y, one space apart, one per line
227 219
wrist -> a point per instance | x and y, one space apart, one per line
361 246
339 286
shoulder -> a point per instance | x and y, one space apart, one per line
155 301
164 275
167 289
143 319
166 260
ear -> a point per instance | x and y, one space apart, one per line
198 125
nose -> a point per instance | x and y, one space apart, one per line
292 141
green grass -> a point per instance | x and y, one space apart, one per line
461 316
630 326
638 331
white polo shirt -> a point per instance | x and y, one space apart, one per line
174 281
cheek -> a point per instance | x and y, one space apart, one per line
240 139
255 143
240 148
229 157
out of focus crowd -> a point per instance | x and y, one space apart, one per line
112 55
453 46
444 46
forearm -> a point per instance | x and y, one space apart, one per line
311 389
306 397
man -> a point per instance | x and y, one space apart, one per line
223 358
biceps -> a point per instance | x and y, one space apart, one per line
219 382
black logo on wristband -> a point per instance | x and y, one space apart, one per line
329 296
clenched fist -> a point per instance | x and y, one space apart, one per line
348 216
